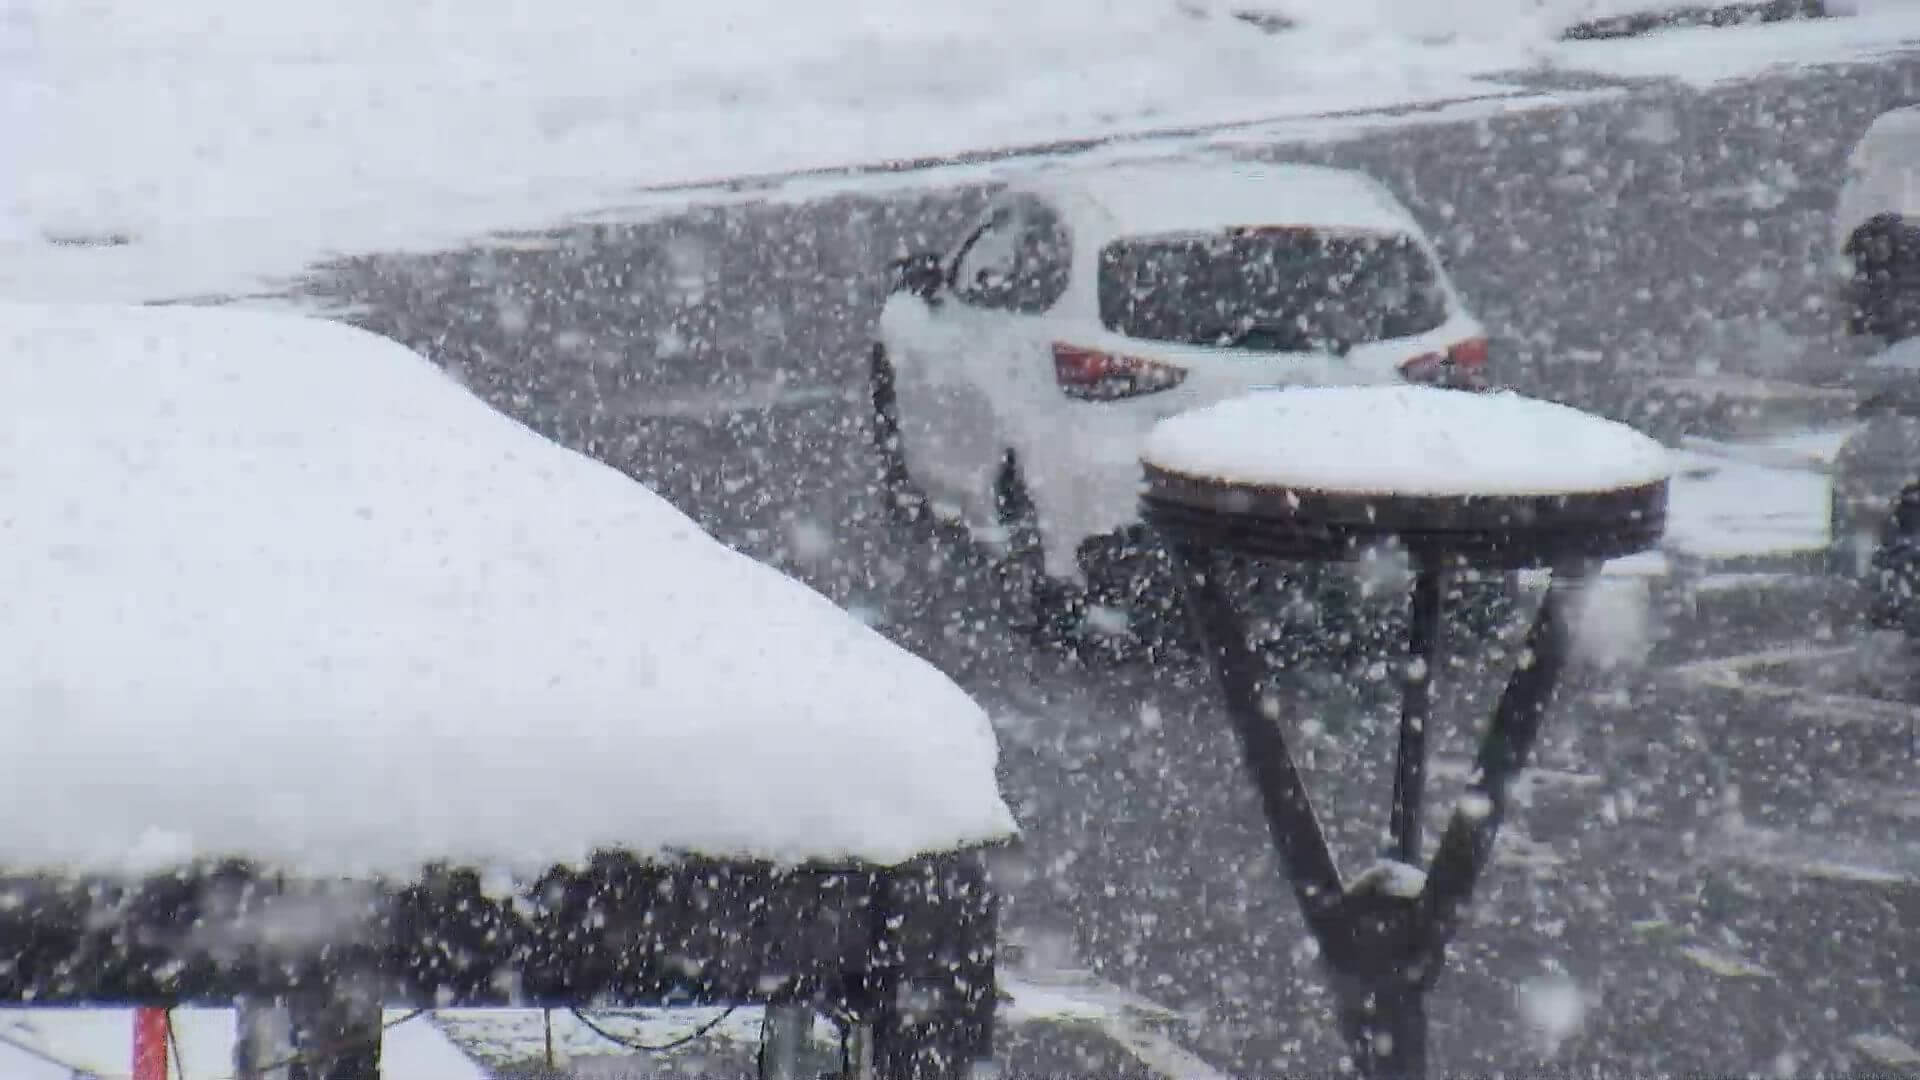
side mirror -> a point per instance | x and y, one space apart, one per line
922 275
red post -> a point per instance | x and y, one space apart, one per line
149 1044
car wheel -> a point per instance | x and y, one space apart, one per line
1129 572
1893 578
1885 252
904 501
1129 580
1056 609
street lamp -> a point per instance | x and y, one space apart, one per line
1461 482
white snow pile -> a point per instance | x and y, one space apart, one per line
193 147
279 588
1405 440
1554 1008
1721 508
1612 621
1391 877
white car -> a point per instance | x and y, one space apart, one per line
1875 488
1876 238
1015 376
1876 222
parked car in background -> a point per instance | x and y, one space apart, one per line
1016 374
1877 228
1875 517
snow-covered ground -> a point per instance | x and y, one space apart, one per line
51 1044
1764 497
153 150
77 1044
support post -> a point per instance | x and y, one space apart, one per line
1383 938
336 1033
1385 1023
1384 951
1416 707
263 1040
1291 819
783 1037
856 1053
149 1044
1466 848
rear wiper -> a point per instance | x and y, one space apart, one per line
1266 337
1278 337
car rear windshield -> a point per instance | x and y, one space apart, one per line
1270 289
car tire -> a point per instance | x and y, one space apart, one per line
1131 571
1055 609
1052 610
905 503
1126 571
1885 253
1893 576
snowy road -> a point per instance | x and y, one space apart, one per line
1716 870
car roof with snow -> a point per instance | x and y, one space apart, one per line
281 589
1144 199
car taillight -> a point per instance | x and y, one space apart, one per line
1462 367
1092 375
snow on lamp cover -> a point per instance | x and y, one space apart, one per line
1405 440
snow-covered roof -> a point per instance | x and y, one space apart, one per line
1144 199
279 588
1405 440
